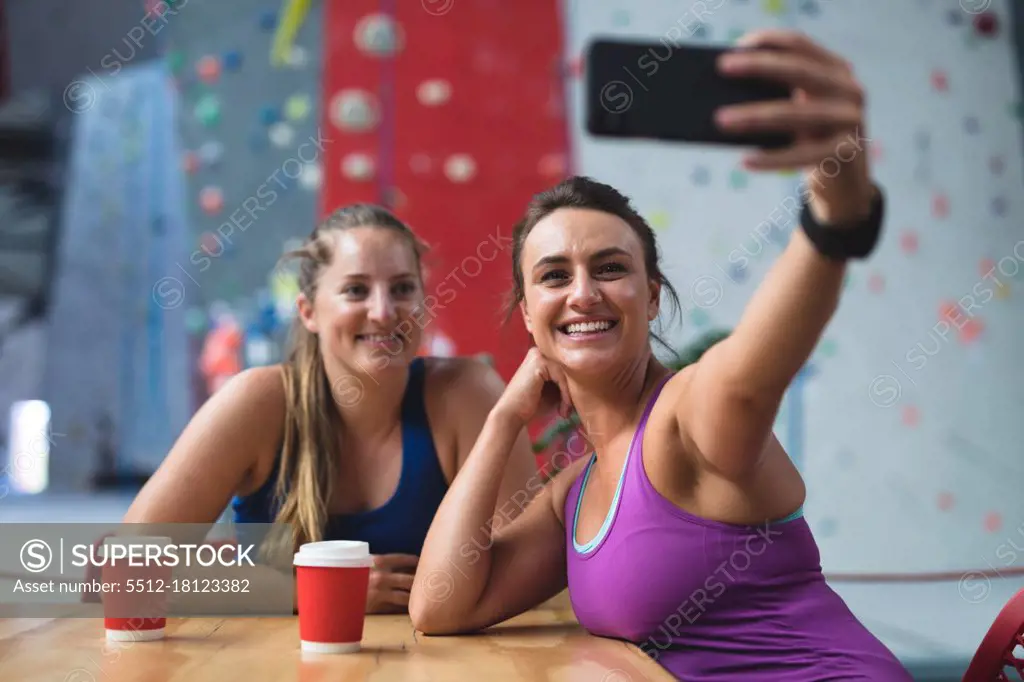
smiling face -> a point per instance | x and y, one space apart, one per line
365 299
588 300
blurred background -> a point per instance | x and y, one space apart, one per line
158 158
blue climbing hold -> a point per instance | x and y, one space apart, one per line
268 20
233 60
269 115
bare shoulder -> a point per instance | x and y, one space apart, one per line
253 405
457 378
459 394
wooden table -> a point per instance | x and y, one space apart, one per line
543 644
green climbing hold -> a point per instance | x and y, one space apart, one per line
195 321
827 348
699 317
208 110
175 61
735 34
297 107
738 179
620 18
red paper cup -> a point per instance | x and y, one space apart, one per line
331 580
139 584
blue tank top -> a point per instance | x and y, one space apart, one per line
401 524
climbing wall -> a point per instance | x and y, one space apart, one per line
252 152
452 114
117 349
907 417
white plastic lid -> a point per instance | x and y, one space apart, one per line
334 553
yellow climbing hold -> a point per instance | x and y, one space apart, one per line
659 220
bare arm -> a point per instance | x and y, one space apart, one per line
476 392
732 394
472 576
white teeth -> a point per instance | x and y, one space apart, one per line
587 327
378 337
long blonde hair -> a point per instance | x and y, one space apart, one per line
308 465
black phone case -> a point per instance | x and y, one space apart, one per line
669 92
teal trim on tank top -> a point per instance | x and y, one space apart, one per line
589 546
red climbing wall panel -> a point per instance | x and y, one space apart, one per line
475 91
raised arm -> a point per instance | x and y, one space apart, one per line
732 394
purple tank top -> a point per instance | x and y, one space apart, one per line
711 600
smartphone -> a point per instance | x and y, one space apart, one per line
655 91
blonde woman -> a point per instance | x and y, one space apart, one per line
353 437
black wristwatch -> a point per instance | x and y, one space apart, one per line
843 242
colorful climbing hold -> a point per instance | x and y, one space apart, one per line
209 243
269 115
195 321
434 92
908 242
175 61
552 165
971 125
211 200
207 110
420 164
211 153
738 179
940 80
297 107
378 35
876 283
281 135
659 220
268 20
358 167
971 330
945 500
699 317
776 7
311 176
701 176
940 206
620 18
737 273
911 416
999 206
734 34
232 60
460 168
827 347
993 521
208 69
826 527
353 110
190 162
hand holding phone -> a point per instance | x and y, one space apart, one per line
651 90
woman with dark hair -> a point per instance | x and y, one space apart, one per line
683 532
354 436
